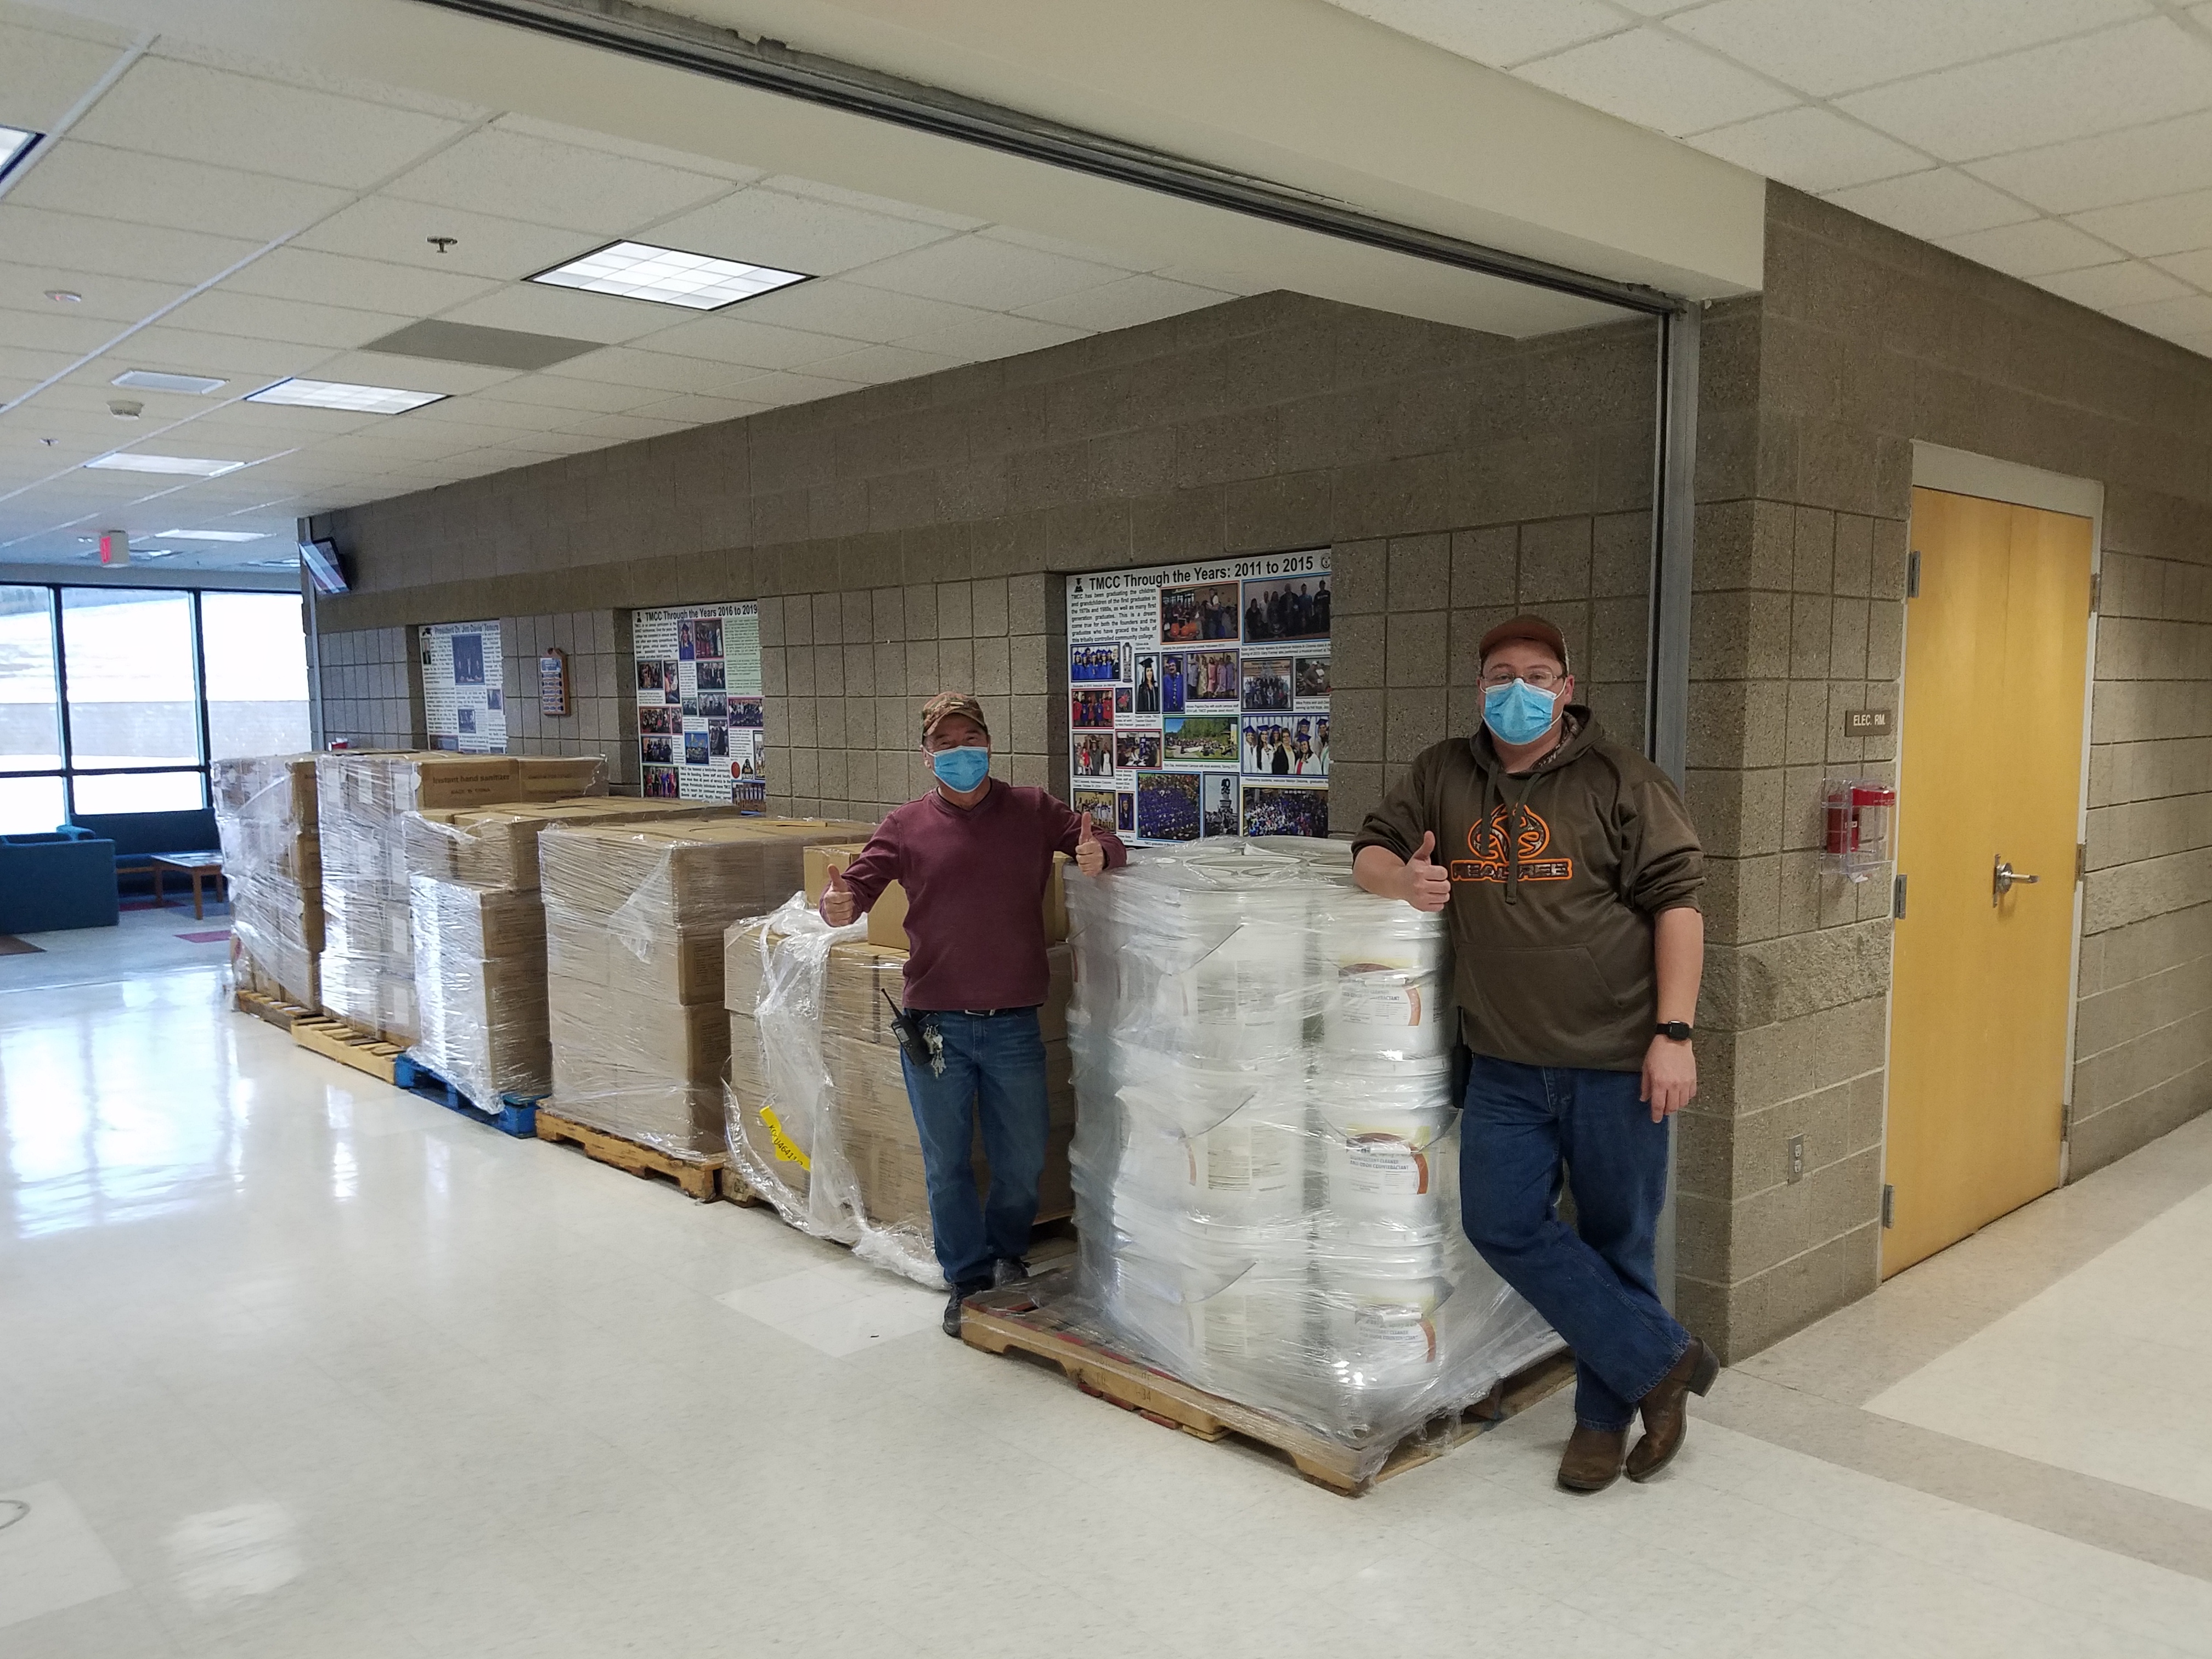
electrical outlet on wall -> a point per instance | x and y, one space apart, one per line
1797 1157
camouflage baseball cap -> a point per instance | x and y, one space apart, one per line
945 704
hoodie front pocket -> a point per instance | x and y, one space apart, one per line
1548 997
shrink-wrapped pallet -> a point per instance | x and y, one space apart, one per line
478 927
265 813
819 1118
634 919
1266 1162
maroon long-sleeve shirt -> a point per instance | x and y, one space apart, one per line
975 880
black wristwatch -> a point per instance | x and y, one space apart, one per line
1679 1029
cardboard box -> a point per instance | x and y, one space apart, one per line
707 874
772 1143
887 915
743 964
682 966
497 845
560 777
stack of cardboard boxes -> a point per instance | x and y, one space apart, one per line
634 919
817 1092
478 923
264 809
368 953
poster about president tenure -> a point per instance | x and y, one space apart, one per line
1198 698
464 687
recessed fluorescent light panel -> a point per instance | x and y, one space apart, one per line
192 466
638 270
15 144
338 394
213 535
149 379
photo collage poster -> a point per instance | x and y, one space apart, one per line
698 678
1198 698
463 687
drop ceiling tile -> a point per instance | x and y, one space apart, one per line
568 313
412 374
27 363
624 429
697 410
231 356
853 312
114 299
990 334
2050 94
487 412
2033 249
2163 159
1656 81
543 446
559 392
202 114
2168 224
1126 304
56 328
1812 148
2193 267
75 241
385 227
735 173
2128 282
804 234
897 209
777 390
1229 282
296 423
333 279
157 190
517 175
1493 32
42 74
1120 259
878 365
1823 49
1943 201
257 316
732 337
2170 319
994 275
628 366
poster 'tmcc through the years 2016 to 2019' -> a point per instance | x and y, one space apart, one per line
1198 697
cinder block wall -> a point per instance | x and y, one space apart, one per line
1864 341
371 697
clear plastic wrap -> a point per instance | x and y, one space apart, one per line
265 814
635 919
1266 1162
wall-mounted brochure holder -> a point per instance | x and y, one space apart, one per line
1857 814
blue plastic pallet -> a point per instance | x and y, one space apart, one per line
517 1114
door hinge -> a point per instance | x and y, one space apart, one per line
2096 590
1889 1207
1913 574
2081 862
1897 897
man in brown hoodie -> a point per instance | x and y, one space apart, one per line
1571 871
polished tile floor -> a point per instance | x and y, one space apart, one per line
292 1364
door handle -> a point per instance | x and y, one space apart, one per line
2004 879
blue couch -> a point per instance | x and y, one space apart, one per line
142 837
51 882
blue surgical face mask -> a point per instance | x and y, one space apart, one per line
961 769
1518 713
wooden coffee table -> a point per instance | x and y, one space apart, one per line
198 865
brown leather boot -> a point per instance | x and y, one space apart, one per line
1592 1461
1667 1410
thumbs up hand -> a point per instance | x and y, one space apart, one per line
1089 851
838 906
1428 885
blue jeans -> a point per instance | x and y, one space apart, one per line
1595 1282
996 1064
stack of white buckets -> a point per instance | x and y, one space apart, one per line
1266 1153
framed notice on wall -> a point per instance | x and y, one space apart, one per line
699 722
1198 698
464 687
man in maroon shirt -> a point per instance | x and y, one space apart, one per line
975 856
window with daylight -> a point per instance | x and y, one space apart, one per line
114 699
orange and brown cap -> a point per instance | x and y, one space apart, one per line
1532 628
946 704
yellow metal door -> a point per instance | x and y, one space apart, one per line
1990 772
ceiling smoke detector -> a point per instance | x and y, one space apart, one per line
125 410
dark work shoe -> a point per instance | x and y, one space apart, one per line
952 1311
1010 1271
1592 1461
1667 1410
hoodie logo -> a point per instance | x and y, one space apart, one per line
1485 840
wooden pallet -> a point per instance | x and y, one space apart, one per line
736 1189
510 1115
348 1044
698 1173
279 1013
1010 1320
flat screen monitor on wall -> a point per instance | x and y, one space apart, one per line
324 569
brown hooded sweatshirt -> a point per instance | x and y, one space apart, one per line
1551 924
